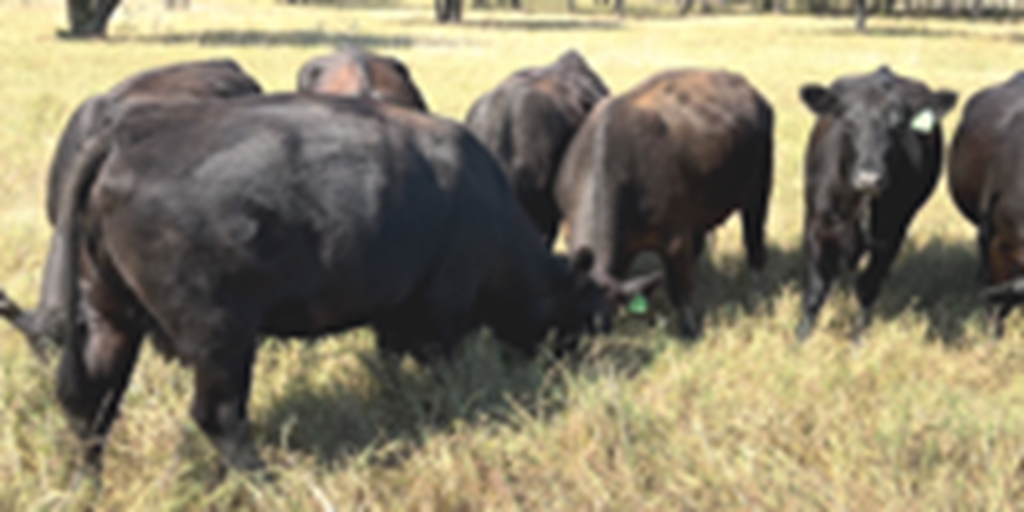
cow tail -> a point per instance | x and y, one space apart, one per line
74 199
599 204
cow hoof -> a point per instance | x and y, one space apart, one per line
996 330
87 481
860 326
804 329
856 339
689 328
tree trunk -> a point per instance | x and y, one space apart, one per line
862 15
89 18
448 11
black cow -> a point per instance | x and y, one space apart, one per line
528 121
658 167
986 179
190 81
210 225
872 160
352 71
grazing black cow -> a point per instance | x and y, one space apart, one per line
658 167
352 71
986 179
528 121
189 81
210 225
872 160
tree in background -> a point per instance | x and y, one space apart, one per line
88 18
448 11
861 13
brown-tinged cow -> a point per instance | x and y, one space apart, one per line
657 168
872 160
986 180
528 121
352 71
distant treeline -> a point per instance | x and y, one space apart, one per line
953 8
917 7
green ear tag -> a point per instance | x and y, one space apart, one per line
638 304
924 121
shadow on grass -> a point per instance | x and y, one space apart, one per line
939 281
935 280
534 22
289 38
386 415
726 288
899 32
892 32
382 417
543 24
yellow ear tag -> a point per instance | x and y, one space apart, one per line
638 304
924 121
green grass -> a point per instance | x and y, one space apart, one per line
927 415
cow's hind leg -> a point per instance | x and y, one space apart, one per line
91 378
220 406
754 213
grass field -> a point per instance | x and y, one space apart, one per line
927 415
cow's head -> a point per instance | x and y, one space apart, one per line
354 72
612 293
874 113
580 306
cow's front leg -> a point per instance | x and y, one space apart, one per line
884 249
821 259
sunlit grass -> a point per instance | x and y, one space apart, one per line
927 415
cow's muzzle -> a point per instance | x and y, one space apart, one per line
868 181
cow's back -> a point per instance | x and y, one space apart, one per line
686 140
319 212
193 81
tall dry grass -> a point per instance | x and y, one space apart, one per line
927 415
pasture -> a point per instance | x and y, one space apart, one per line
927 415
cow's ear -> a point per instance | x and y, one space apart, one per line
819 99
398 66
943 101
